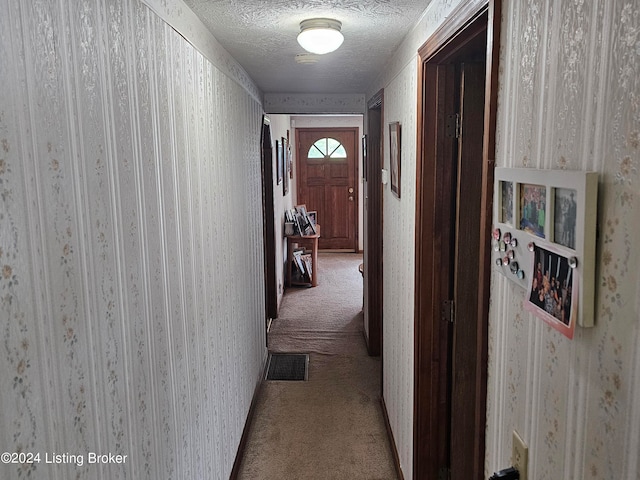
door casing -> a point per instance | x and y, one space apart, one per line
434 251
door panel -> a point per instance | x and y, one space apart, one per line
271 292
465 345
327 183
339 172
339 224
373 222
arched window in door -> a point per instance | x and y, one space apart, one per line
328 148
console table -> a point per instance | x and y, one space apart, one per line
308 242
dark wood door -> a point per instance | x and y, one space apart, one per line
327 183
464 349
373 222
453 223
270 283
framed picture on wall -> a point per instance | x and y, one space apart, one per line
552 290
279 162
565 217
395 157
533 209
285 166
544 240
364 157
506 202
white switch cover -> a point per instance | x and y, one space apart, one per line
385 176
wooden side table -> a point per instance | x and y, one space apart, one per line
308 242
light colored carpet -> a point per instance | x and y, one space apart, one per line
330 427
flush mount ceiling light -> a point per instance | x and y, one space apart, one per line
320 35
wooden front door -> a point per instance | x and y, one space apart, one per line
327 174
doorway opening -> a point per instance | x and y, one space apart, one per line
456 143
281 169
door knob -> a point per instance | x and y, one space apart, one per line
351 198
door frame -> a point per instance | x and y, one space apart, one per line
354 167
373 218
452 35
270 276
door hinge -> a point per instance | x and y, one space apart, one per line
448 311
453 125
444 473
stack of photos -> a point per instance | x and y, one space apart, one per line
303 223
302 271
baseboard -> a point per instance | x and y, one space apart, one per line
392 441
247 424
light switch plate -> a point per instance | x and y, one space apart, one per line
385 176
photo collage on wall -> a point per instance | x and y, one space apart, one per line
544 241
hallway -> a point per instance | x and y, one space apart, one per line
332 425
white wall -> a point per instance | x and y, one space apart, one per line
280 124
568 99
130 320
399 81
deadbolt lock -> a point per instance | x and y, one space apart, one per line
351 190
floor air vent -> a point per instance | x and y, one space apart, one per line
288 366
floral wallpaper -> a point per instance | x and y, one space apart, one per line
398 276
400 83
130 324
568 99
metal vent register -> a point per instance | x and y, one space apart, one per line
288 366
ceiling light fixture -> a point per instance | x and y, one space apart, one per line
320 35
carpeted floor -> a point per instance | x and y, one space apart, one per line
331 426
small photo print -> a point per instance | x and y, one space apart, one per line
564 217
506 202
552 291
533 209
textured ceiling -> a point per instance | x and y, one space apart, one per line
261 36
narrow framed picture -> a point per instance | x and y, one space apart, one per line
279 162
565 217
285 166
364 157
395 156
533 209
313 217
506 202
